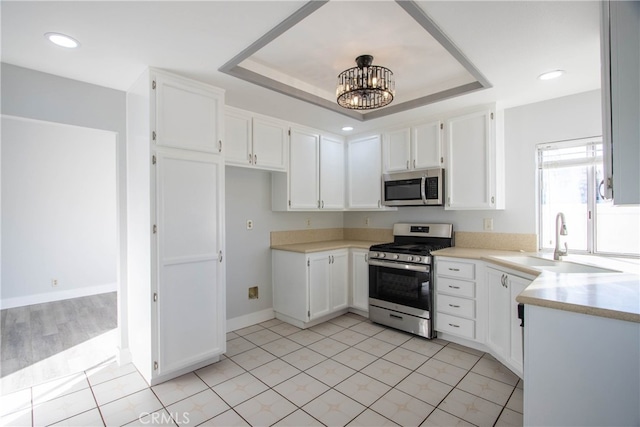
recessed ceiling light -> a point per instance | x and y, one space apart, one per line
62 40
347 128
551 75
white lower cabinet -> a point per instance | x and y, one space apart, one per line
504 334
359 279
308 287
476 301
457 303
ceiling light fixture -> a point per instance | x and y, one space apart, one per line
347 128
62 40
551 75
366 86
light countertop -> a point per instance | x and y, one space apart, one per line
613 295
326 245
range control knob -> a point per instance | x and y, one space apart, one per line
410 258
374 254
382 255
417 259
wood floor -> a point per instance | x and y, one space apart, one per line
44 341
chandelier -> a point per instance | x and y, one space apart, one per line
366 86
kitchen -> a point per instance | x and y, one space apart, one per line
248 190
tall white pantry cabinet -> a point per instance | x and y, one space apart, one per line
175 221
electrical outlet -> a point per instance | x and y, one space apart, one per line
308 222
367 221
249 224
54 282
253 292
488 224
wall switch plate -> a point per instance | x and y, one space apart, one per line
249 224
253 292
488 224
54 282
367 221
308 222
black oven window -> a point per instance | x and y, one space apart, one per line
401 287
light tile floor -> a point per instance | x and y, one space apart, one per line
347 371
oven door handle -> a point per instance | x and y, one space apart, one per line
423 191
399 266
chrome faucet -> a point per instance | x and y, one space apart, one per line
561 230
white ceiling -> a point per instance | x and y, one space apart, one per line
509 42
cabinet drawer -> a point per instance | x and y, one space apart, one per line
456 306
457 269
456 287
456 325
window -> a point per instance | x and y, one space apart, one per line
570 175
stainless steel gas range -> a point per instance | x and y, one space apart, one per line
401 277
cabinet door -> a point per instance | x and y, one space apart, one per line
426 145
516 285
331 173
304 171
364 173
188 116
319 286
269 144
359 280
498 328
397 150
191 301
237 138
339 280
470 164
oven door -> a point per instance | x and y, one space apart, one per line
402 284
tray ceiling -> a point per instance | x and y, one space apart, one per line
427 66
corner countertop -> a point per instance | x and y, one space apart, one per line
325 245
614 295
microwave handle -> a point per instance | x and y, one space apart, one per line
423 193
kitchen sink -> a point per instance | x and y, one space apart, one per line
554 266
530 261
570 267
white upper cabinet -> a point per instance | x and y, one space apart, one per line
415 147
397 150
189 115
269 143
426 145
475 161
621 100
331 173
304 171
315 180
255 141
364 173
238 148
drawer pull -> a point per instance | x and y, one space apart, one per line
454 326
454 306
395 316
454 269
454 287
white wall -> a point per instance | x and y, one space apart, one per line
248 196
570 117
58 211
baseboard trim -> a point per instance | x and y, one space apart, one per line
250 319
57 296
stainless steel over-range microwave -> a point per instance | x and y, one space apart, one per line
422 187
